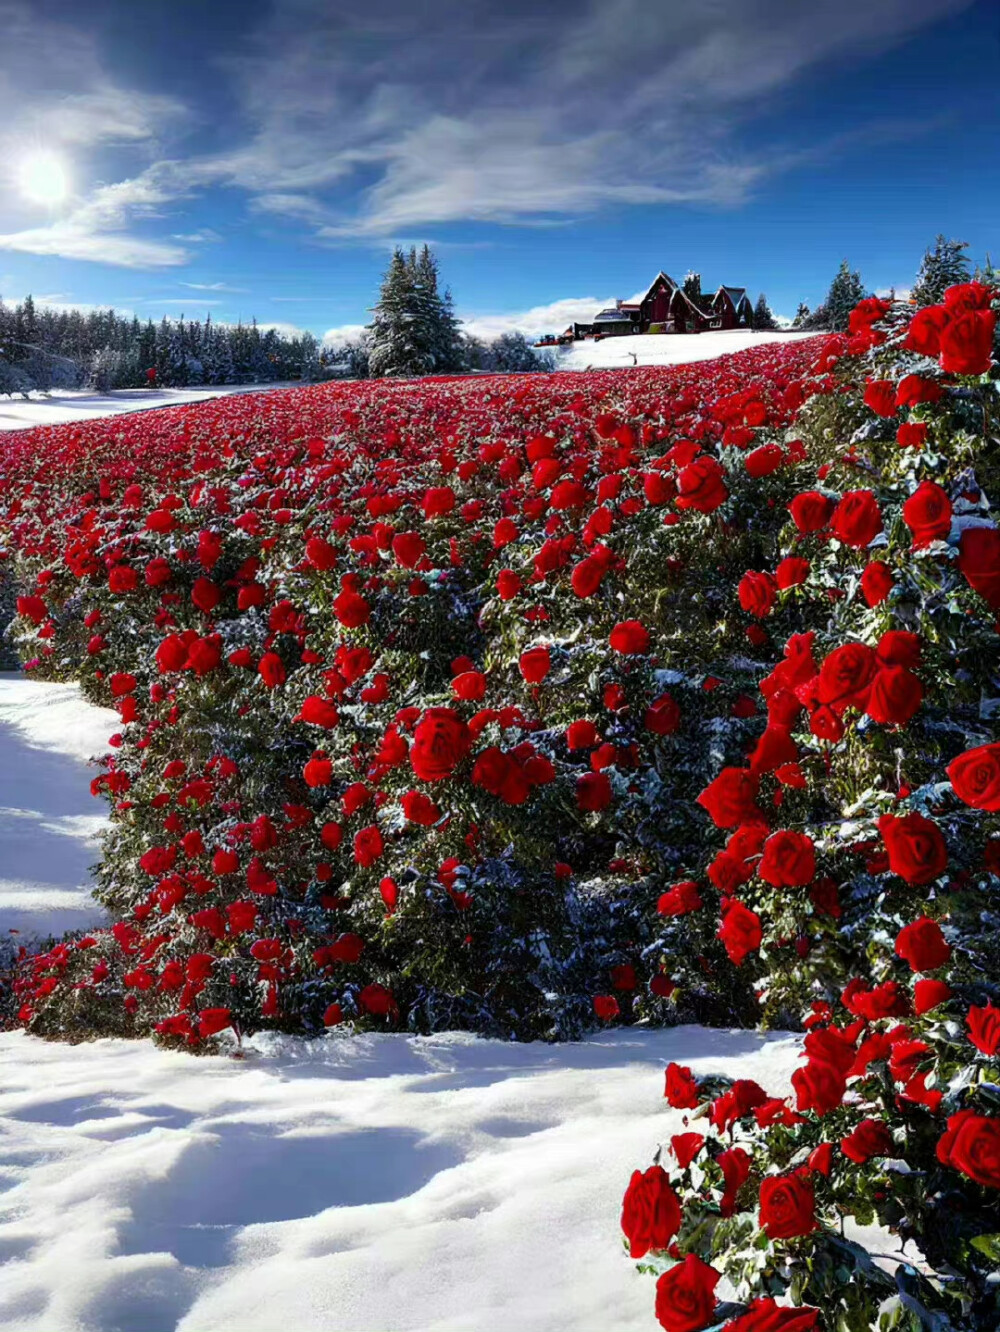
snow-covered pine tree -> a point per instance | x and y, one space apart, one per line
846 290
802 316
944 265
763 315
692 288
399 330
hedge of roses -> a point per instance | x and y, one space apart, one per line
857 868
417 685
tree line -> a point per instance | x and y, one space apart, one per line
45 348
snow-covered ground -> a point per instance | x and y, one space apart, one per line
380 1183
662 349
64 405
49 821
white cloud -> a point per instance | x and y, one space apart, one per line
551 318
214 286
336 337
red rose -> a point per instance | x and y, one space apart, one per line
735 1164
702 486
916 849
441 740
984 1028
680 1088
212 1020
368 846
876 583
731 799
763 1315
679 899
979 562
663 716
927 994
593 792
408 547
316 711
740 930
924 333
880 396
923 945
927 513
896 694
606 1007
508 584
846 676
975 777
912 435
765 460
651 1214
857 519
420 808
967 296
915 389
685 1295
811 510
271 670
971 1144
757 593
789 860
630 638
787 1206
791 572
870 1138
819 1086
534 664
967 343
351 610
377 1000
318 772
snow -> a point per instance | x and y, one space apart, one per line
49 821
662 348
64 405
349 1184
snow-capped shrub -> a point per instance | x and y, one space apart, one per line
860 875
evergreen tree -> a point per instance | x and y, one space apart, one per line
802 316
944 265
763 316
399 330
987 274
692 288
846 290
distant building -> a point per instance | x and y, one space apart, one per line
667 308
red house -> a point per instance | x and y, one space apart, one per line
667 308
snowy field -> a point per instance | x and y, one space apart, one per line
662 349
379 1183
64 405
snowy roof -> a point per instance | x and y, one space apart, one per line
660 277
612 315
735 294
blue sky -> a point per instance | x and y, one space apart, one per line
260 158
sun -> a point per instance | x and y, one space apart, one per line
42 178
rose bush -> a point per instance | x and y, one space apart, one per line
858 852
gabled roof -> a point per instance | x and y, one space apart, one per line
613 315
660 277
735 294
688 301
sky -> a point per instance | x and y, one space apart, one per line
261 158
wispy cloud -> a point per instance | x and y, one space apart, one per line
214 286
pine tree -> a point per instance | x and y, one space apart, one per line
987 273
692 288
802 316
846 290
943 266
399 330
763 316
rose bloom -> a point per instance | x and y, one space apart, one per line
870 1138
702 486
740 930
922 944
791 572
979 562
857 519
927 513
789 860
630 638
764 1315
757 593
975 777
534 664
731 798
651 1214
787 1207
441 740
680 1087
685 1295
984 1028
811 511
916 849
971 1144
896 694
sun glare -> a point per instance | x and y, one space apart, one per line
42 178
